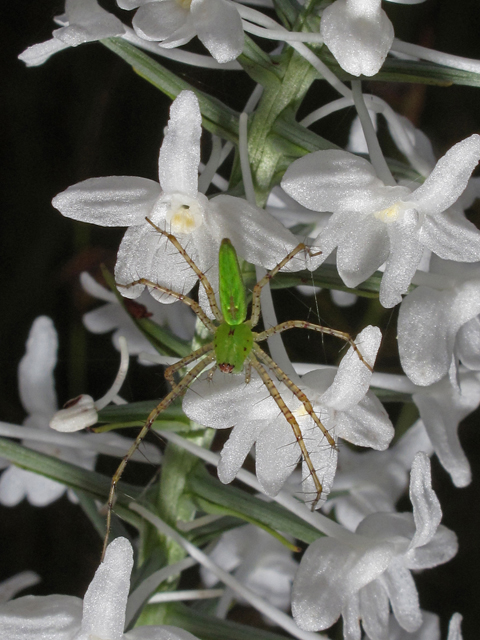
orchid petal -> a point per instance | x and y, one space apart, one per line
454 628
358 34
449 178
405 255
366 425
362 251
451 236
276 455
351 619
144 253
106 598
375 610
329 574
256 235
181 36
180 150
337 180
33 617
104 318
426 507
401 589
165 632
219 27
158 20
116 201
39 53
442 548
17 484
353 377
427 324
87 23
324 460
237 447
214 403
35 372
441 410
467 345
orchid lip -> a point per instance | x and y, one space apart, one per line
184 214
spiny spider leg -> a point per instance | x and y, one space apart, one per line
172 369
196 308
302 324
290 418
202 277
175 393
282 376
257 289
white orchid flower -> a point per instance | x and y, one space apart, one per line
112 317
173 23
442 407
372 481
177 206
438 327
101 615
361 576
340 401
358 33
37 393
20 581
373 223
258 561
83 21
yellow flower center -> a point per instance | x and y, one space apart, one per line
185 4
390 214
185 214
301 412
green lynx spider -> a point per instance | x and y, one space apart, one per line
234 348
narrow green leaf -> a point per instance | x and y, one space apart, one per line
213 628
247 506
217 117
137 412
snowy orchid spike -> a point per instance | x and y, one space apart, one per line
173 23
359 577
102 614
358 33
83 21
177 206
341 401
373 223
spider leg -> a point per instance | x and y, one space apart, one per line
175 393
257 289
301 324
194 306
172 369
282 376
290 418
202 277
